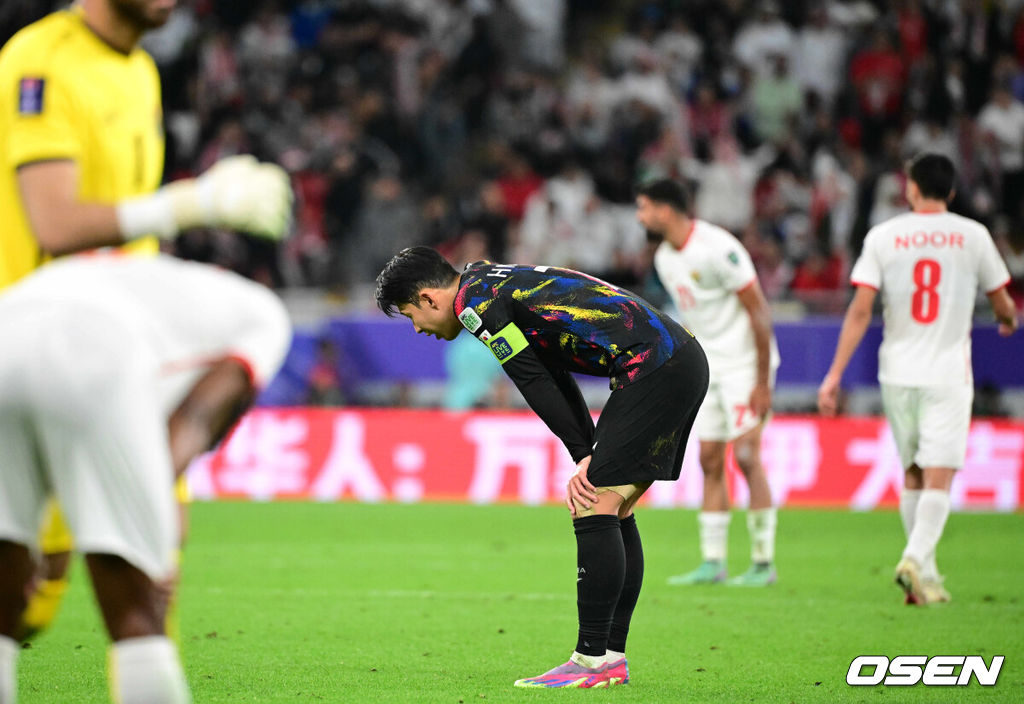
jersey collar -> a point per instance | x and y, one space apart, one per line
689 236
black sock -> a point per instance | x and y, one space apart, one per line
600 570
631 585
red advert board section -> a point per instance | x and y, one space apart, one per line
484 457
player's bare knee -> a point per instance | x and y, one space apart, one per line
15 578
747 458
129 600
713 467
712 459
913 478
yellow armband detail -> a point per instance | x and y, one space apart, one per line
507 343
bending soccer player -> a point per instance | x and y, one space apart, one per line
81 157
928 264
542 323
114 374
712 282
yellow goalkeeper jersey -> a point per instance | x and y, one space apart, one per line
66 94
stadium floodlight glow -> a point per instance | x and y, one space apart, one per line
935 671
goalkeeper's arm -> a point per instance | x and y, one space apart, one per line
239 193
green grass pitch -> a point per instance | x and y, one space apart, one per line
304 602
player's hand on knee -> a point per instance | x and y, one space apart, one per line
580 490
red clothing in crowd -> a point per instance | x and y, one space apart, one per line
516 191
879 76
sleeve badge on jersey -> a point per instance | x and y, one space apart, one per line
470 320
734 258
501 348
30 96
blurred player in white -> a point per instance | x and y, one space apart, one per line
114 373
928 264
81 161
712 282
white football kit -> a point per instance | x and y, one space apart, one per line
928 267
96 354
703 279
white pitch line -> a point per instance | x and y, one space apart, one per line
387 594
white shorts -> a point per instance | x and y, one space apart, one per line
80 418
929 423
725 414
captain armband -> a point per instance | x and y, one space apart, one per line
507 343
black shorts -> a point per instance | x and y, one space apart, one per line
642 432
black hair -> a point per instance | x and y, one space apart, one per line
668 192
409 271
934 175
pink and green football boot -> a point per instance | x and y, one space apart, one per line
569 675
617 672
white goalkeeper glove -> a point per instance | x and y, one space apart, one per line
238 192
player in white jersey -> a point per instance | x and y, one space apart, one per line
712 282
114 373
928 265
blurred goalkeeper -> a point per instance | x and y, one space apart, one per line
81 157
542 323
115 372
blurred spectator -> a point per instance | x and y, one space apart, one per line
554 224
1001 124
818 279
834 204
485 214
773 271
542 25
679 51
930 134
325 384
912 28
768 35
726 193
819 55
878 75
709 119
517 183
776 100
388 221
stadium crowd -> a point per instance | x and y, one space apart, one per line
492 128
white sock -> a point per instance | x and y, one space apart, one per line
714 534
908 509
929 522
611 656
590 661
9 650
761 525
146 670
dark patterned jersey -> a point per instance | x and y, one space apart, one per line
571 320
